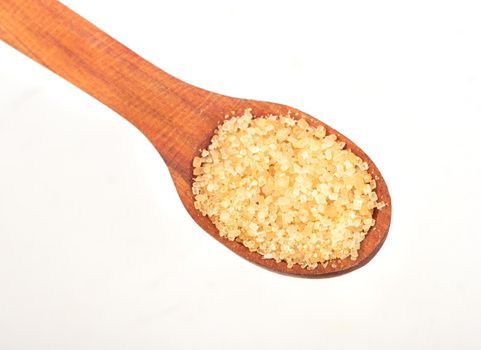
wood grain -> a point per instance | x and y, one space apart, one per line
176 117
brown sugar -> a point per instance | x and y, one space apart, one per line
285 190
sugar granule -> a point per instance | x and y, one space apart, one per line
285 189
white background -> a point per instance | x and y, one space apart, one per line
97 252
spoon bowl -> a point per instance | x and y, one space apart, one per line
178 119
223 105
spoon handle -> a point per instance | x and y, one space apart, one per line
64 42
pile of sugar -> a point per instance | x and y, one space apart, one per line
285 190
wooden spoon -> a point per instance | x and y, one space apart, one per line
178 118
